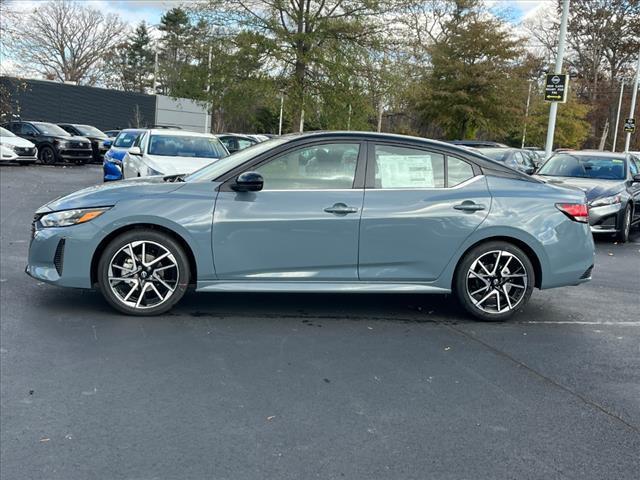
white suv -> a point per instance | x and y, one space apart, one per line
171 152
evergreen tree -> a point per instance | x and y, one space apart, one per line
472 84
137 74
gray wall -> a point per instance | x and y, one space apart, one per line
59 102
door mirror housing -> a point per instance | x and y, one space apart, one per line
135 151
107 143
248 182
636 177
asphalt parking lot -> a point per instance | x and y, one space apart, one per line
237 386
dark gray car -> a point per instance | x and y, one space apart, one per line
611 182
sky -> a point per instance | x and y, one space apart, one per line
134 11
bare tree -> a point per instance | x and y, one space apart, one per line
62 40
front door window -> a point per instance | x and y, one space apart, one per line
319 167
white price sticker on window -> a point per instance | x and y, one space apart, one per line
405 171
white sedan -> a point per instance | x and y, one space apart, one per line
171 152
16 149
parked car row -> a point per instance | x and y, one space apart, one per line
78 143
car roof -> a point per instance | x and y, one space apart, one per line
595 153
181 133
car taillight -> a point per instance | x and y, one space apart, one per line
577 212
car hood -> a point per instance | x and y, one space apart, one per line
176 165
76 138
16 142
109 194
592 187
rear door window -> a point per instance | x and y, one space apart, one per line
458 171
411 168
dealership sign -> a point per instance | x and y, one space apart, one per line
555 89
630 125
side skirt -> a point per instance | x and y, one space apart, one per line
317 287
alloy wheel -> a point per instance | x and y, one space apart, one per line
143 274
496 282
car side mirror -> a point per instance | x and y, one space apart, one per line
248 182
135 151
636 177
107 143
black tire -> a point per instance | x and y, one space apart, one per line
496 287
47 155
115 249
623 235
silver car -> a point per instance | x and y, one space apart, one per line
321 212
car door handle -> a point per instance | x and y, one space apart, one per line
340 209
469 206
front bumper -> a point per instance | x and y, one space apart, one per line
74 155
606 219
62 255
112 170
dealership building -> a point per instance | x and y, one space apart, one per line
106 109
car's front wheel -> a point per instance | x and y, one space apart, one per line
494 280
47 155
623 234
143 272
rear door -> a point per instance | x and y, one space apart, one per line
302 226
419 206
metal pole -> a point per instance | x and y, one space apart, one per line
615 132
155 75
349 120
627 142
553 110
281 110
526 115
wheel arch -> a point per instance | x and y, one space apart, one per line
522 245
95 259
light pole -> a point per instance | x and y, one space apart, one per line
553 110
281 110
526 115
615 131
627 142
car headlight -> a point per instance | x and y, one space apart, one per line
601 202
66 218
151 171
8 146
62 143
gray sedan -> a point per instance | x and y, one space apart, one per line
321 212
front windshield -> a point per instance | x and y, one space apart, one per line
126 139
498 154
50 129
185 146
584 166
89 130
214 170
5 133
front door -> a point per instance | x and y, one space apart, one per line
419 207
303 225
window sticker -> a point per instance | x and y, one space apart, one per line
405 171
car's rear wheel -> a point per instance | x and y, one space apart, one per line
623 235
143 272
47 155
494 280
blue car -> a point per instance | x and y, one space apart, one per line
112 163
321 212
